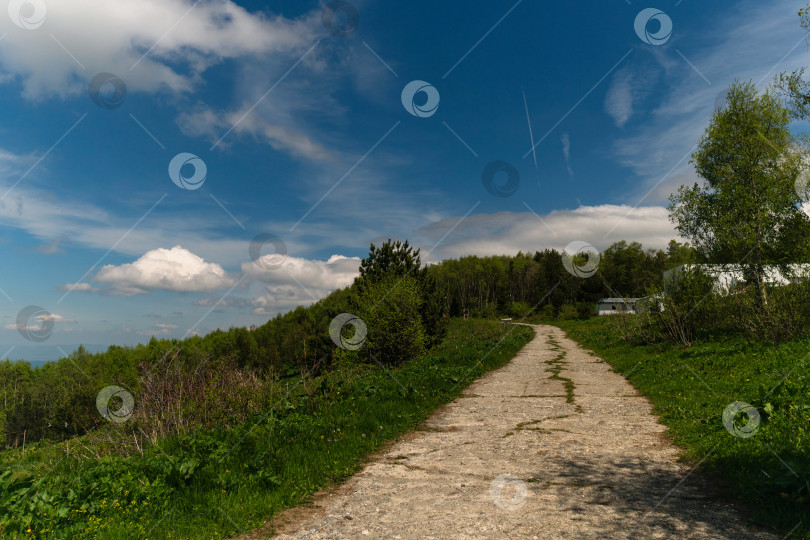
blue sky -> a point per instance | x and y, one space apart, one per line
304 137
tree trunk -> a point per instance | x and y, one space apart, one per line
759 270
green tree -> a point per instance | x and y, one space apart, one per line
393 257
391 309
747 210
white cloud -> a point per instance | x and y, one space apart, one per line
174 269
151 44
164 326
284 298
45 216
335 273
205 122
77 287
566 148
620 96
294 281
36 323
506 233
158 329
230 301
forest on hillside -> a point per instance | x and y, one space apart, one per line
217 378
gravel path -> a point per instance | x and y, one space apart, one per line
553 445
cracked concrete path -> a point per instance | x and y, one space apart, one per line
553 445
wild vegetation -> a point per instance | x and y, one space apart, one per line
216 481
218 379
251 422
703 355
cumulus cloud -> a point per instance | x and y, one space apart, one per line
152 44
336 272
293 281
174 269
278 299
506 233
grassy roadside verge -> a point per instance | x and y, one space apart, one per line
770 470
215 484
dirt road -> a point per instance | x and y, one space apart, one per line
554 445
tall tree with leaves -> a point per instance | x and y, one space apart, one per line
400 260
392 258
747 210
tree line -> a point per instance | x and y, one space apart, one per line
403 303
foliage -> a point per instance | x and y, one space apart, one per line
393 263
747 210
274 460
686 307
393 257
391 308
792 86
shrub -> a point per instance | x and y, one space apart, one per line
390 308
585 310
687 308
518 309
786 315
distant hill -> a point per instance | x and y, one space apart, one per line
37 355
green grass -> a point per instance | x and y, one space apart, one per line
770 471
215 484
556 368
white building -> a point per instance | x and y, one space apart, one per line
614 306
731 277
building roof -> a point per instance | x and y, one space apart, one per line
617 300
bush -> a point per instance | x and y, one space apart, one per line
567 313
391 310
518 309
786 316
585 310
687 305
